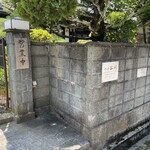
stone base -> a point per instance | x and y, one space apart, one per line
5 118
42 110
23 118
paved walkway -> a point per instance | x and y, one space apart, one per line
143 144
43 133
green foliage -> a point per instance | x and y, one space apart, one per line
145 14
84 41
126 33
45 13
2 77
122 29
109 18
41 35
117 19
2 34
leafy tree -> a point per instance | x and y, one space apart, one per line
99 16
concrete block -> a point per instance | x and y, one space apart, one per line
64 96
62 51
40 61
121 76
142 52
149 61
138 101
53 82
78 78
40 92
96 67
116 89
53 50
93 81
63 74
42 82
37 50
40 72
97 107
88 94
131 52
129 95
27 97
78 66
77 103
26 74
78 91
147 89
53 91
139 92
140 82
16 97
146 110
121 65
127 106
60 63
20 86
15 75
142 62
115 111
130 74
130 85
148 71
129 64
78 52
147 98
42 101
118 52
94 120
98 52
115 100
147 80
98 134
138 112
53 72
64 86
100 93
78 115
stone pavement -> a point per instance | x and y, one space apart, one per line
5 116
143 144
43 133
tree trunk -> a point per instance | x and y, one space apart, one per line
101 33
144 34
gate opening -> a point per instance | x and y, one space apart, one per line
4 89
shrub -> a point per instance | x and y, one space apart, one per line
40 35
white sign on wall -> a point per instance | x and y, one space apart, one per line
110 71
21 50
141 72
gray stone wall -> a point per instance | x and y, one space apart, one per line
20 80
40 71
69 78
68 69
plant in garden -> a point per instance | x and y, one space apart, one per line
103 18
40 35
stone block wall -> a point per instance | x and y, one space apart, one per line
99 110
40 71
69 78
68 68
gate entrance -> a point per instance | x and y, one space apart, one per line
4 90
